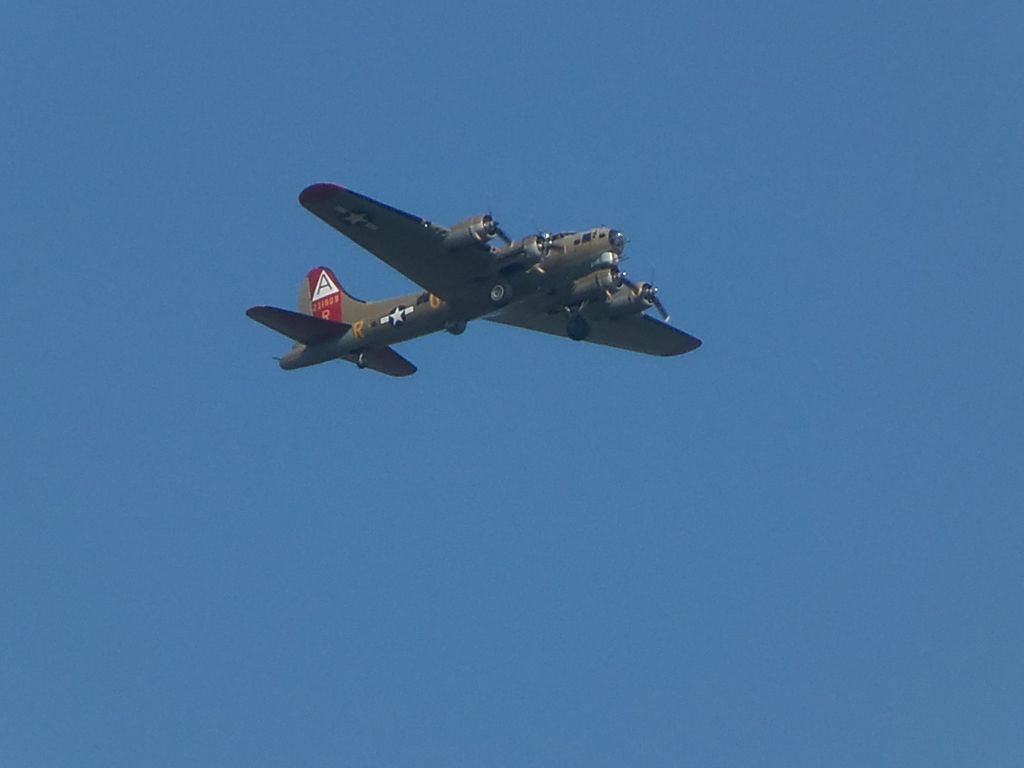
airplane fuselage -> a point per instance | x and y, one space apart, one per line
381 324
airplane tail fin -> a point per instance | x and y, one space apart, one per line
322 303
321 295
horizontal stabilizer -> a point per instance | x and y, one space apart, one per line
304 329
384 360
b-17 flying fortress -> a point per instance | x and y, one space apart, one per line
567 284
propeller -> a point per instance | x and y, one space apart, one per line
494 229
549 242
648 294
658 305
655 300
535 247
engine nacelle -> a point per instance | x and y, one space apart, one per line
594 286
607 260
475 231
630 301
534 247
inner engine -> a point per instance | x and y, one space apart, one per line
594 286
474 231
608 260
532 248
535 247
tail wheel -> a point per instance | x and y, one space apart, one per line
577 329
500 294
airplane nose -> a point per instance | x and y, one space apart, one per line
616 240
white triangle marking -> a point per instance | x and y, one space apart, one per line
324 287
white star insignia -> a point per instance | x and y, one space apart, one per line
397 316
355 218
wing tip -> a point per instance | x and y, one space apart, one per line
692 343
317 193
689 343
684 343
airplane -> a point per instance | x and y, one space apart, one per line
567 284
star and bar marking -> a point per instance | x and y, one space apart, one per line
397 316
355 218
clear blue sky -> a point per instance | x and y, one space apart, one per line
800 545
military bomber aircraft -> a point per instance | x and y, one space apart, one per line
566 284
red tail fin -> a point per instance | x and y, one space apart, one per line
323 296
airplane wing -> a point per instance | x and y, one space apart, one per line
637 333
384 360
409 244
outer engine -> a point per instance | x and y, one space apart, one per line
630 300
475 231
595 285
